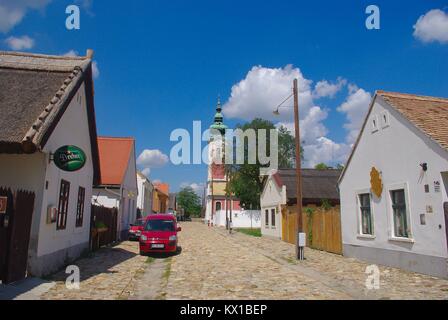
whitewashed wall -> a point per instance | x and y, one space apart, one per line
72 129
272 197
397 151
240 218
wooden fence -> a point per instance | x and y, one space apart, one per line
322 227
108 217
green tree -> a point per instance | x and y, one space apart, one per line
321 166
246 182
340 166
189 201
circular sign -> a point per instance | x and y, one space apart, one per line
69 158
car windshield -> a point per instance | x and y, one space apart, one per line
159 225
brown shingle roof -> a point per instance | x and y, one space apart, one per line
429 114
35 90
316 184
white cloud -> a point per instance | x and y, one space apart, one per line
12 12
146 172
355 108
432 27
152 159
197 187
71 53
326 89
264 88
20 43
326 151
95 69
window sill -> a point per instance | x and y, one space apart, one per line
366 236
408 240
273 228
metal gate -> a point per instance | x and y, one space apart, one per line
16 212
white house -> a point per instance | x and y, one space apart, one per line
394 187
145 196
279 196
48 147
118 181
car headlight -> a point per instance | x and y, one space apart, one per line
143 237
172 238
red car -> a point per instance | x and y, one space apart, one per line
159 234
136 229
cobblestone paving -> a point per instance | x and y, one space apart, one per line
216 265
110 274
347 274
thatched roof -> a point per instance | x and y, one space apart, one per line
316 185
35 91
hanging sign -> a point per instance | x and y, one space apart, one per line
376 182
69 158
3 204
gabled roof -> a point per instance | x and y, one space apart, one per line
114 154
35 91
162 187
428 114
316 184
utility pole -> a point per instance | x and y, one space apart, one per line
300 240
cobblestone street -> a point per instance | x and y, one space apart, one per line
216 265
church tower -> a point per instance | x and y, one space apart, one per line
216 178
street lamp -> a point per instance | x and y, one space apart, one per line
300 240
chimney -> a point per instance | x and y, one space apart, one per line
89 53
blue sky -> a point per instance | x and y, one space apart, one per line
162 63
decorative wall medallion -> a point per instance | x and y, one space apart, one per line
376 183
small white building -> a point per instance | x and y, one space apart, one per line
394 189
279 196
118 181
48 147
145 196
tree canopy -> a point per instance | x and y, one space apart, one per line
245 182
189 201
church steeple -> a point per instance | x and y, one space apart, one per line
218 123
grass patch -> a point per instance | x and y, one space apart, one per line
150 260
290 260
254 232
167 272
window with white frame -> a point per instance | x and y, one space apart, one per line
273 217
400 219
366 214
266 217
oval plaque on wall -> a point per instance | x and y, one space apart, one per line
69 158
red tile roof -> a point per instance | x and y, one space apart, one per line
114 158
163 187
